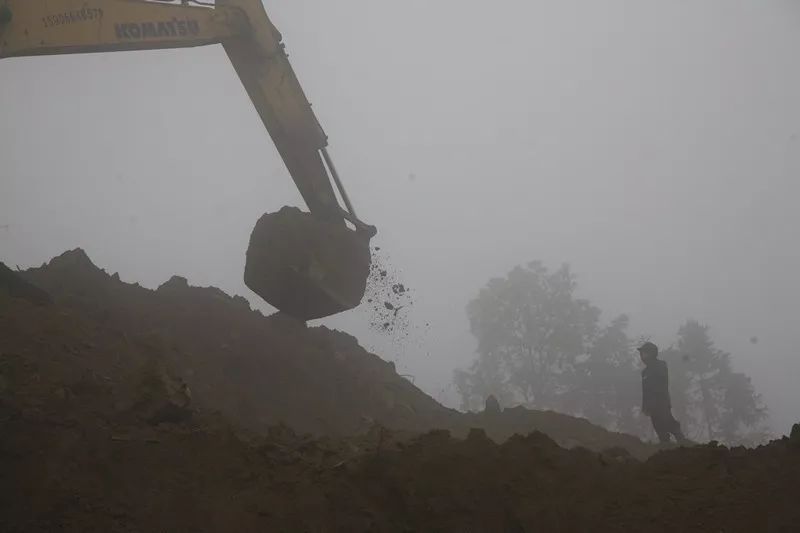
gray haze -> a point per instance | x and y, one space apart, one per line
653 145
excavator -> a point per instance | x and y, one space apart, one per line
306 264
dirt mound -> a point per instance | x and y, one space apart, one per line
76 456
531 484
13 285
257 370
84 445
261 371
567 431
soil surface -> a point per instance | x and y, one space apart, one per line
181 409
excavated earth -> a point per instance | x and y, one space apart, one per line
292 428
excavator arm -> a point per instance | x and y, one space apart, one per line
242 27
307 265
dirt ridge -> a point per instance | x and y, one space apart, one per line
81 377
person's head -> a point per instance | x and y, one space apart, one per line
648 352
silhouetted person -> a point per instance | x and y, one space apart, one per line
492 406
655 395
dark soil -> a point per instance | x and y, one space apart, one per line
83 380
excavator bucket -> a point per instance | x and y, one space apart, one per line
306 267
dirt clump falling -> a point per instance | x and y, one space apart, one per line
387 297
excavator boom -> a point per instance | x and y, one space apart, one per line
38 27
254 47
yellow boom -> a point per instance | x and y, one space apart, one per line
253 44
254 47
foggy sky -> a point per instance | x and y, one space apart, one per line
653 145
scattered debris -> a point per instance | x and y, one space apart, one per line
388 299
